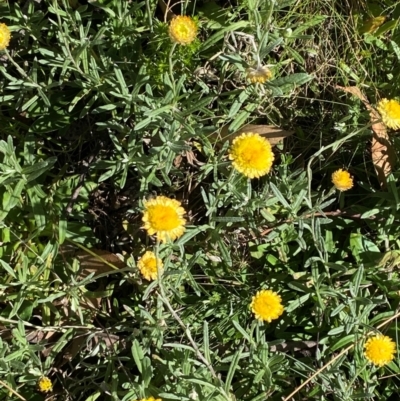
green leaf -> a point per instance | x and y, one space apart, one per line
279 195
62 231
50 122
199 104
315 20
206 341
37 208
8 268
104 108
396 49
271 46
94 396
297 303
342 342
229 219
98 4
386 27
370 213
190 233
137 354
11 200
39 168
237 104
241 118
357 281
242 331
31 101
221 33
232 369
226 257
293 79
201 382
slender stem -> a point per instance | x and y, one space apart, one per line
358 371
341 200
171 67
187 331
166 302
12 391
270 11
149 15
20 70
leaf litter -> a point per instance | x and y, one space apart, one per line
382 151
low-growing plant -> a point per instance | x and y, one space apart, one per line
199 200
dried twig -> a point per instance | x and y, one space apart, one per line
12 391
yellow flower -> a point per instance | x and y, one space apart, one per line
164 217
150 399
267 305
44 384
259 74
342 180
251 155
183 30
390 113
380 350
147 265
5 36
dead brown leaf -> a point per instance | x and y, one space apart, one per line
177 161
382 152
270 132
97 263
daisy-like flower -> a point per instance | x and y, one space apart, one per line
5 36
183 30
267 305
251 155
342 180
164 217
44 385
147 265
260 74
150 399
380 350
390 113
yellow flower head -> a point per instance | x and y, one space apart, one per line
267 305
44 384
260 74
390 113
342 180
164 217
183 30
380 350
147 265
5 36
150 399
251 155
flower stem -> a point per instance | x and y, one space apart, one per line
171 67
